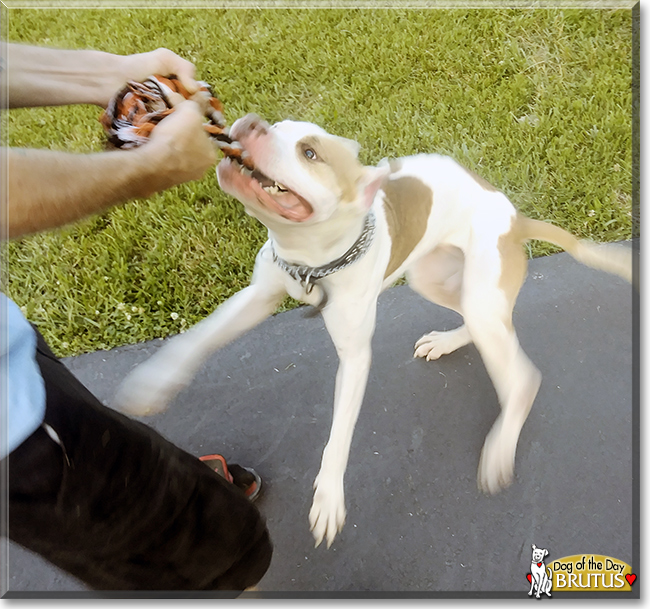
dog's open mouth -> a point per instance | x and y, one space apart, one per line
269 185
271 194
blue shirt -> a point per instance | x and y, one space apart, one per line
22 401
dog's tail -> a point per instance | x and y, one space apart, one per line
608 257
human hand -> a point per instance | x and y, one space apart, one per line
161 61
164 62
179 149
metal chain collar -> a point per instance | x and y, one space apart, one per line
308 275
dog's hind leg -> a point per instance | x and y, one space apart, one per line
492 279
548 583
438 276
436 344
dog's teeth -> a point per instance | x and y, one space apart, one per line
245 171
275 188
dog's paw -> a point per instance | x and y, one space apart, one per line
497 464
147 390
327 514
436 344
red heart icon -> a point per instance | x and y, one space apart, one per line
631 578
529 577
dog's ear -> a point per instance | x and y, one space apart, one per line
371 181
534 547
545 552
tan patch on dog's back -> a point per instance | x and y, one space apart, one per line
336 165
407 204
484 184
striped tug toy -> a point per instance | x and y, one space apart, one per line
134 112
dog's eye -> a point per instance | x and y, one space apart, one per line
310 154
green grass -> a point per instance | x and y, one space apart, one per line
536 101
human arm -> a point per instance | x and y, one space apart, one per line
44 188
38 76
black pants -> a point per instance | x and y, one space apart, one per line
119 507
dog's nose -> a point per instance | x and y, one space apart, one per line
252 122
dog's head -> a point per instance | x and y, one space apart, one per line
539 554
311 174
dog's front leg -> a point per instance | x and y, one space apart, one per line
351 327
152 385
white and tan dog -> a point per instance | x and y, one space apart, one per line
339 234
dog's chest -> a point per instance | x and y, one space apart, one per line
407 207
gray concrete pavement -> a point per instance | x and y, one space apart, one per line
416 521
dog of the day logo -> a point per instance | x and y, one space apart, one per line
578 573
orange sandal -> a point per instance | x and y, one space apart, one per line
245 478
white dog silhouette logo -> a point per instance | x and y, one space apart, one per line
540 577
